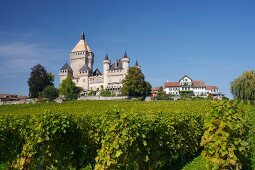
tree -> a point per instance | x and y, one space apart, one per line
160 91
243 87
68 89
38 80
148 88
50 92
134 84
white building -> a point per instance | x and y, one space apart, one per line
82 73
198 87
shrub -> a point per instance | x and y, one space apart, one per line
50 92
52 140
227 137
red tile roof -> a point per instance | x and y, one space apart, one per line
211 88
172 84
11 96
5 95
198 83
155 88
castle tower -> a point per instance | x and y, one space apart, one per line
91 61
106 66
84 73
137 65
81 55
65 71
125 63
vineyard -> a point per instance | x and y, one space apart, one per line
126 135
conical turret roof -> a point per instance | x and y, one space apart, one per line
125 55
84 68
82 45
106 57
66 67
136 63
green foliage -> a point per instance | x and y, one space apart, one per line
2 166
38 80
160 91
134 84
253 138
92 93
68 89
124 135
161 95
155 135
186 93
243 87
105 93
50 92
197 164
52 140
11 141
148 88
227 136
153 141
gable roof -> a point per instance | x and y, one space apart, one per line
198 83
97 72
66 67
172 84
185 76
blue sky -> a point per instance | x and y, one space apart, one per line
213 41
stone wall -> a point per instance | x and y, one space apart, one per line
26 101
102 98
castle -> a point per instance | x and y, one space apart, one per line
83 75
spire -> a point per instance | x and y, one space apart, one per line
82 36
106 57
125 55
82 45
136 64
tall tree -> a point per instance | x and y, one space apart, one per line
38 80
134 83
243 87
68 89
148 88
50 92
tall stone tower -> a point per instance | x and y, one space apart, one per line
81 55
125 63
106 67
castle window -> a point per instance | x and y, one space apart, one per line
83 80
